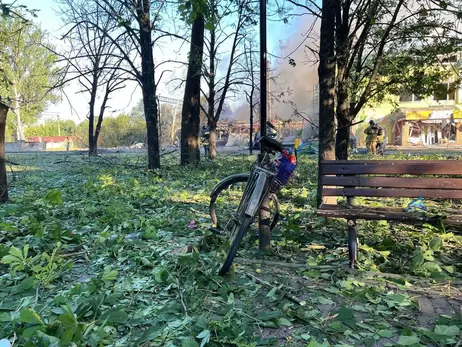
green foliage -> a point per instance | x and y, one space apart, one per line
50 128
124 230
190 9
27 69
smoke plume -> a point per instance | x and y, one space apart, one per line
293 76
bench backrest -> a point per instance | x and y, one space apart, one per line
371 178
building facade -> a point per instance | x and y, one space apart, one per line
409 120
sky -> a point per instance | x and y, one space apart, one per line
75 105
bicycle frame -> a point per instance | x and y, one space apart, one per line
259 184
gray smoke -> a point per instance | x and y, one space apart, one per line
291 87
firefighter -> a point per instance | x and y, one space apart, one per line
371 139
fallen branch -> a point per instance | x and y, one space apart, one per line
69 255
12 162
175 150
182 301
288 296
62 161
278 263
336 267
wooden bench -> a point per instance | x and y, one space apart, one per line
378 179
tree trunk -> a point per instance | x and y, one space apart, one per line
92 144
343 100
341 141
344 119
148 84
97 132
212 120
3 180
190 118
92 149
213 138
17 110
326 72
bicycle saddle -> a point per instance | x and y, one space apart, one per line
271 144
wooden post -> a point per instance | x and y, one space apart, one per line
458 133
264 226
405 134
264 222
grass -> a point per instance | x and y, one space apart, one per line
96 253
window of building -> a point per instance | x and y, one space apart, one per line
409 97
451 91
441 92
450 59
445 91
405 97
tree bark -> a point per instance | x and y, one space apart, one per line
3 179
344 118
326 72
92 145
190 118
17 110
100 119
148 84
212 123
213 138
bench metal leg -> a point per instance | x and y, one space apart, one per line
352 242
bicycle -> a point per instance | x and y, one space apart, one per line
265 179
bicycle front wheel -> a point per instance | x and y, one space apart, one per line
224 202
249 206
235 245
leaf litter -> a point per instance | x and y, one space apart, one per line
104 253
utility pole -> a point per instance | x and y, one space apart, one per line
263 74
264 235
268 84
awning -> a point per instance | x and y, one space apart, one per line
418 115
433 113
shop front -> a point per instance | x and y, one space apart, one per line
428 127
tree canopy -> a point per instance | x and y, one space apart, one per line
27 71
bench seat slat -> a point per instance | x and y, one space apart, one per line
383 214
393 182
386 192
410 167
388 162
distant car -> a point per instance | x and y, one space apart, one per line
138 145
